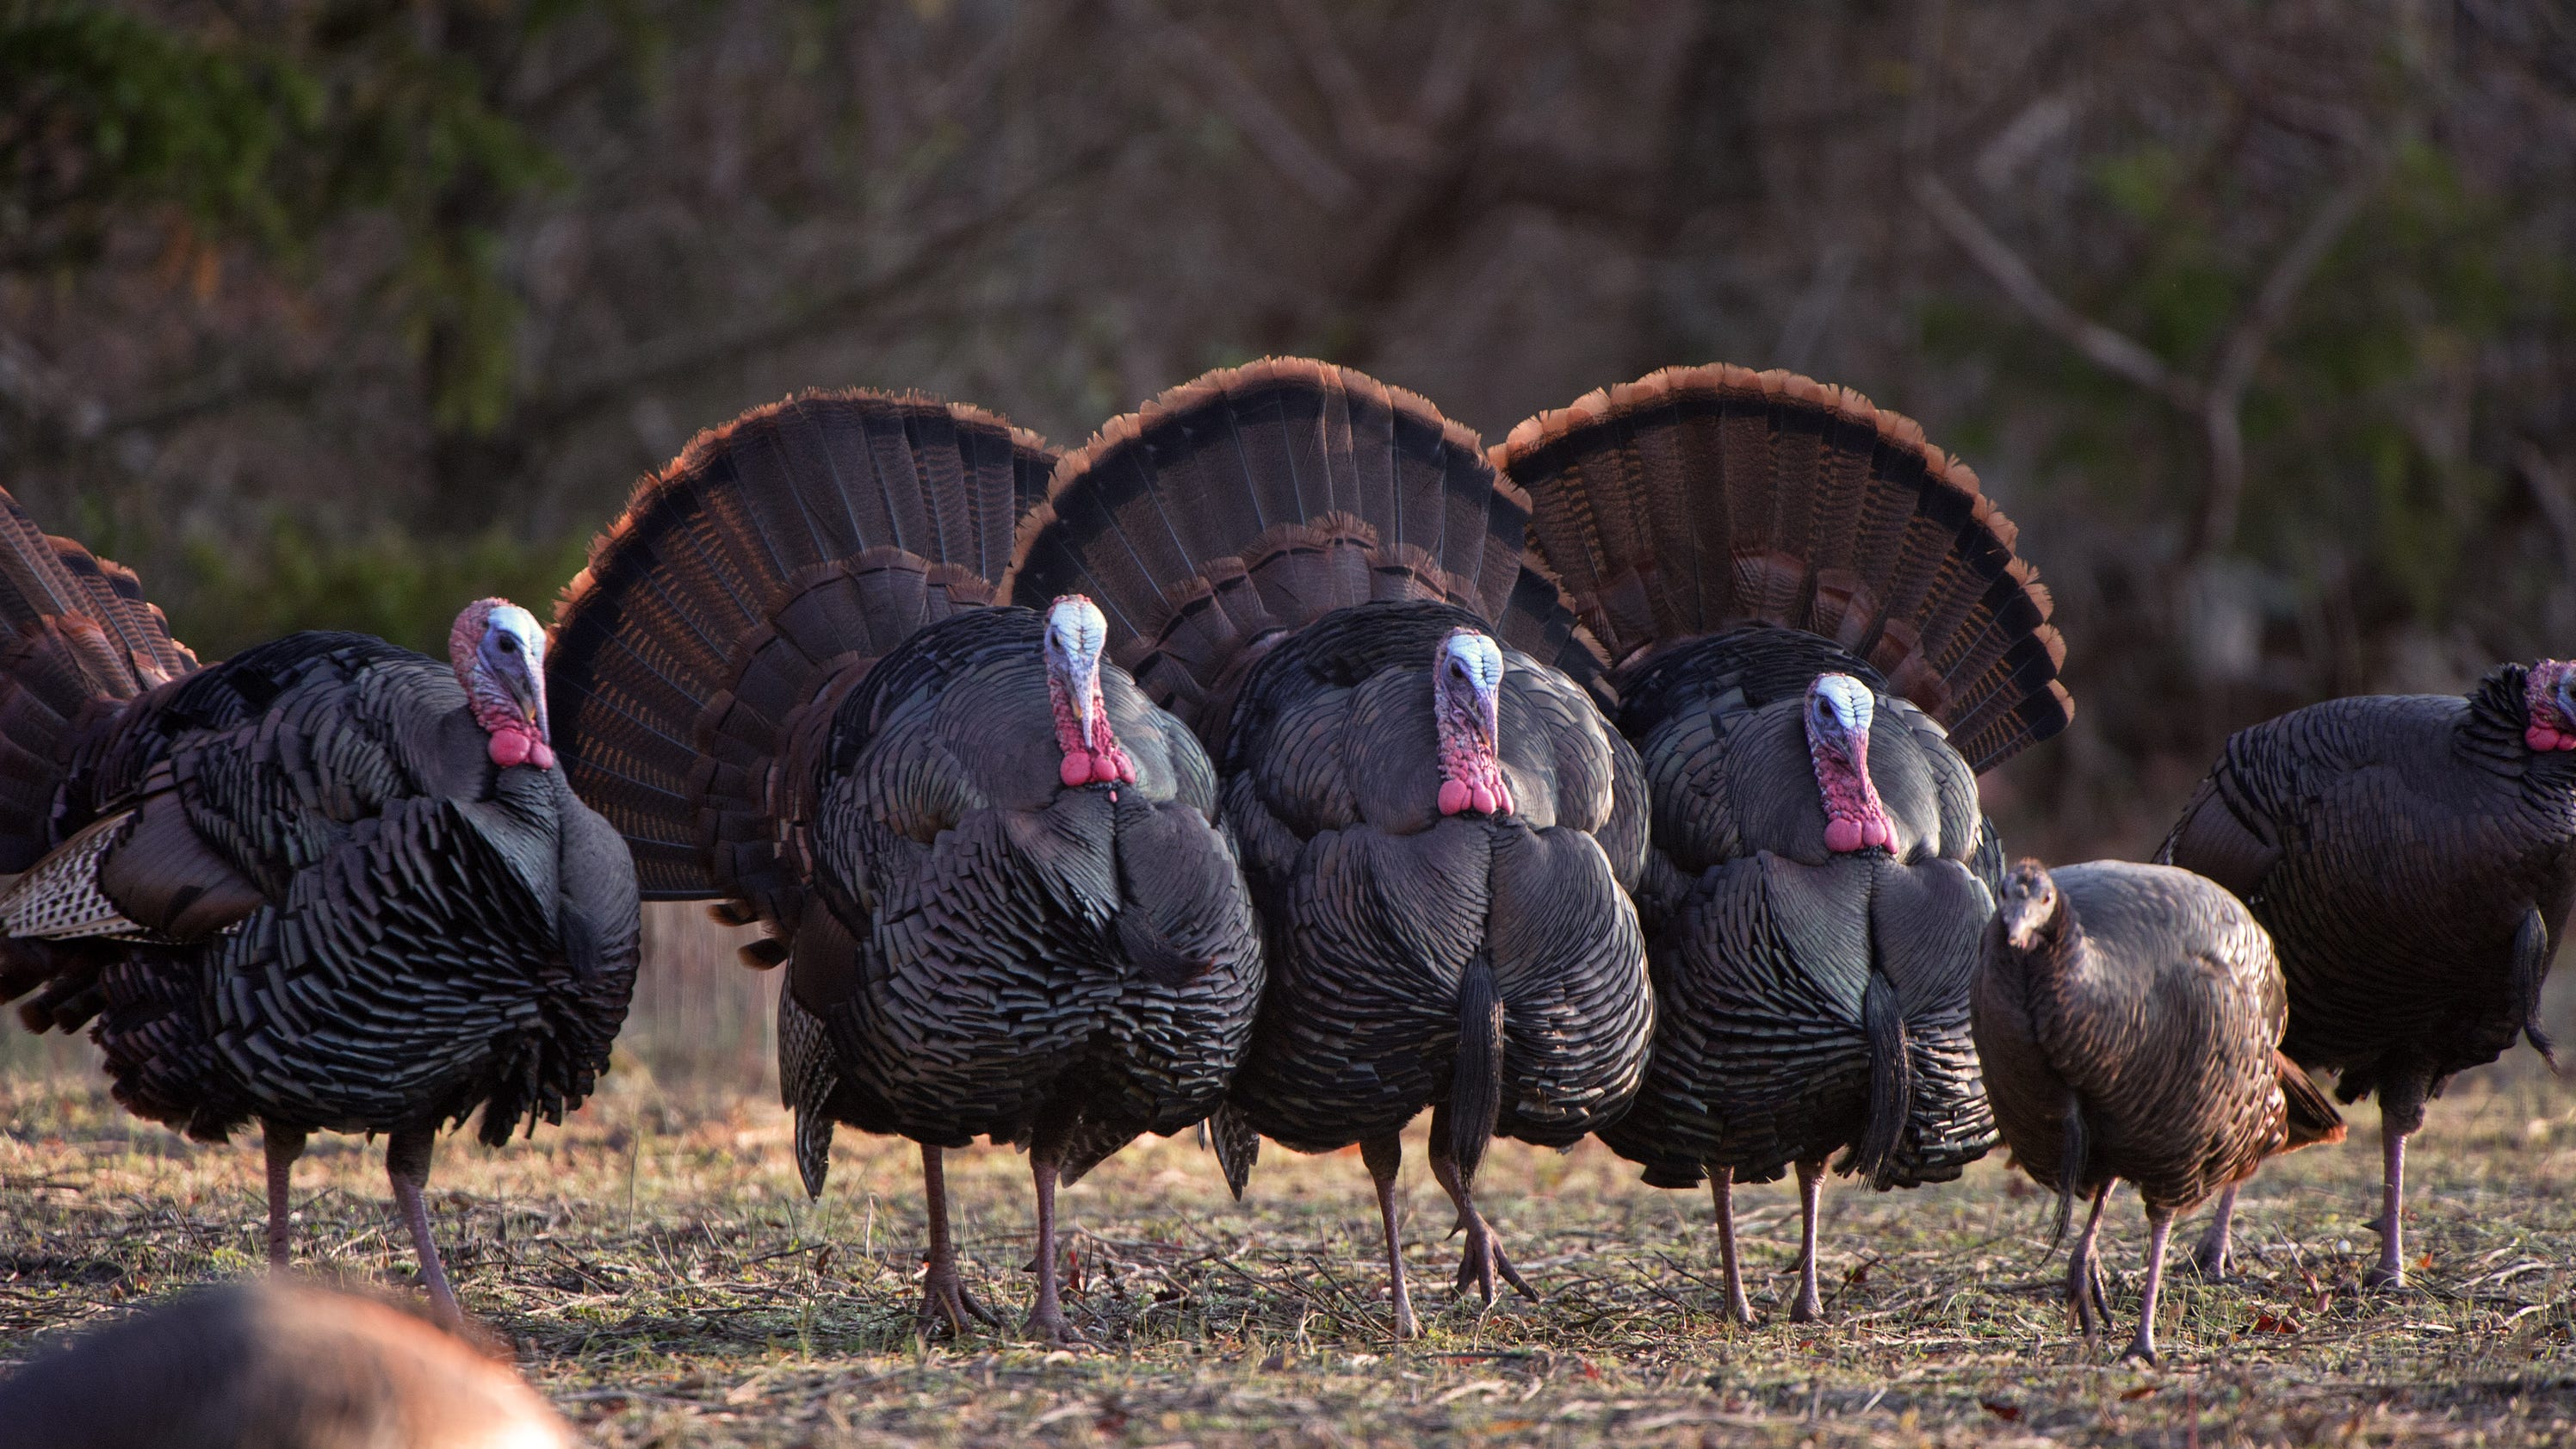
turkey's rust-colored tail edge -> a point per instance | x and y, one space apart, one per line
1696 497
743 590
1253 499
80 641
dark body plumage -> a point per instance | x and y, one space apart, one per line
2414 858
1739 542
331 910
1285 552
784 679
2129 1021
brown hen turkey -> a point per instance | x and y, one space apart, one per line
991 865
1324 577
1819 633
2129 1019
327 885
2414 857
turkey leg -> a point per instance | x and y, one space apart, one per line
1721 1184
1046 1164
2215 1257
2390 1270
1484 1256
407 1165
2143 1347
944 1299
284 1144
1384 1156
1811 1192
2085 1291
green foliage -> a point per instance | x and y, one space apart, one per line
274 131
398 587
101 111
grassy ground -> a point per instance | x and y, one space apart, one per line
667 1283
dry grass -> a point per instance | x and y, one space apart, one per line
667 1283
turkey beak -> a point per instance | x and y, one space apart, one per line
1082 682
526 681
1489 715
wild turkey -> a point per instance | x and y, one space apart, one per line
1323 578
992 866
2413 857
327 884
272 1366
1798 594
2129 1019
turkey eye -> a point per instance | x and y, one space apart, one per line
509 645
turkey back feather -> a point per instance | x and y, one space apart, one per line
1309 488
80 641
742 594
1700 497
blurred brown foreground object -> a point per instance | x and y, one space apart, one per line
272 1366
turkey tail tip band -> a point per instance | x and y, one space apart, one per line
1255 499
1698 497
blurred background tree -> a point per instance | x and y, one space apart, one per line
2260 317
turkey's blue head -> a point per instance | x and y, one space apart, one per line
1466 700
2027 909
1839 709
1076 632
499 651
2549 694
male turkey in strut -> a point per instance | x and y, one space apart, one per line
991 864
1798 594
327 884
2413 857
1323 577
2129 1021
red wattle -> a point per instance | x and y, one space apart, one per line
2540 737
1842 836
1104 768
1875 832
1481 797
2567 742
1454 797
1076 769
509 747
541 754
1126 770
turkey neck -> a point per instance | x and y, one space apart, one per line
2491 737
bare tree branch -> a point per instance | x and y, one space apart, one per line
2223 409
1263 124
2219 403
2113 352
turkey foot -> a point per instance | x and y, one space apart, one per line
284 1144
1811 1190
2215 1258
1484 1257
1384 1156
1046 1162
2390 1270
2142 1349
2087 1291
407 1156
945 1303
1722 1186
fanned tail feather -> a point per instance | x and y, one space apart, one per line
80 641
1254 499
746 587
1699 497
